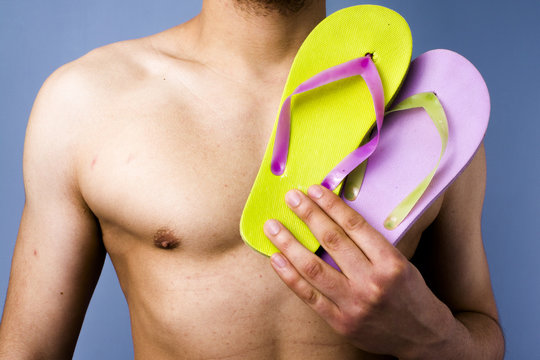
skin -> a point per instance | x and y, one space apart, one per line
146 150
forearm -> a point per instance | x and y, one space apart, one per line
22 344
485 334
471 335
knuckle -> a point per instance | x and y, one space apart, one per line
377 294
331 204
307 214
355 223
382 284
297 283
285 243
396 270
332 239
294 281
311 296
346 325
313 269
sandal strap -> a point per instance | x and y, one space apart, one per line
362 66
431 104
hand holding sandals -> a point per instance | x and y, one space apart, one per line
379 300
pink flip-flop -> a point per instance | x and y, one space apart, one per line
410 145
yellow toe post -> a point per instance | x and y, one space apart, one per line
329 122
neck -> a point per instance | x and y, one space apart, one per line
237 33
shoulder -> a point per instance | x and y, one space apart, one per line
96 75
73 99
108 77
81 93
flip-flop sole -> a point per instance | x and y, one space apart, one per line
329 122
409 145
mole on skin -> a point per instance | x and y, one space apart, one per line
165 239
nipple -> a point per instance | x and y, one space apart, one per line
165 239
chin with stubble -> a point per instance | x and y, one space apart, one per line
266 7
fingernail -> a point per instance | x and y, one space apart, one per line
292 198
272 227
278 260
315 191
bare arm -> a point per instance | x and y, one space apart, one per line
452 260
59 254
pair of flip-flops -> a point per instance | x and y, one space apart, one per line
349 68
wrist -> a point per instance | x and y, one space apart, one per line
445 337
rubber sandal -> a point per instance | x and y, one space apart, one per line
316 136
410 146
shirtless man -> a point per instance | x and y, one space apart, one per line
147 149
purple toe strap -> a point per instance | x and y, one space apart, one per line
364 67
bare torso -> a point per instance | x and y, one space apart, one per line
169 153
147 149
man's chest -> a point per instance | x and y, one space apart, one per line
167 172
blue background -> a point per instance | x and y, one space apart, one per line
500 37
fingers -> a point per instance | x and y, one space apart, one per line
373 245
321 304
304 272
329 234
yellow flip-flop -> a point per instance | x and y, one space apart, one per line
331 114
